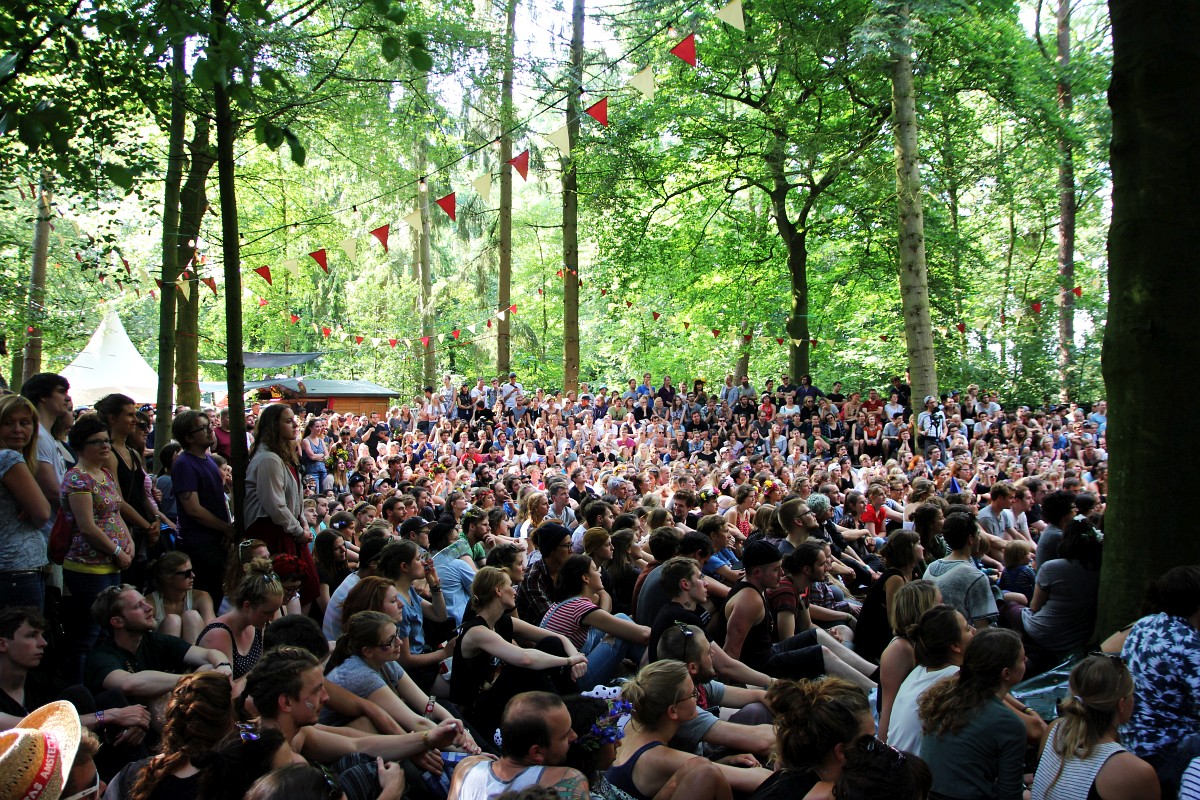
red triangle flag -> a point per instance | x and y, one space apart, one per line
262 302
512 309
581 283
686 49
813 342
521 162
559 273
138 292
629 304
656 315
883 338
961 327
603 292
293 318
381 233
392 342
448 204
425 341
1037 307
599 112
265 272
159 282
211 283
102 277
716 333
78 257
358 340
747 338
1003 319
152 294
489 323
455 333
779 340
320 258
540 292
1077 291
326 332
130 274
687 325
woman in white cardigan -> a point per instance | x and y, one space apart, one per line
273 493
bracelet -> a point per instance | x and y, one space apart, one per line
435 588
223 664
116 552
1028 710
99 717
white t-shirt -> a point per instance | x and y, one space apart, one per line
904 728
49 453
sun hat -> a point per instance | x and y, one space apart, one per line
36 756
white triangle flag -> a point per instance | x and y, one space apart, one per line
561 140
414 220
644 82
342 336
483 185
184 287
500 315
441 338
349 246
292 266
472 329
731 15
375 340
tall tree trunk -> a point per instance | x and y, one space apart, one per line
231 255
428 357
795 239
504 299
193 204
37 283
570 184
914 279
1150 339
1066 207
742 368
170 252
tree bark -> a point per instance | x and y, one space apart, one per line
570 184
795 240
504 281
170 253
32 364
193 204
1154 260
1066 208
428 357
914 279
231 255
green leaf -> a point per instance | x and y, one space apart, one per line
382 6
269 133
391 48
420 59
415 39
119 175
298 151
396 14
72 47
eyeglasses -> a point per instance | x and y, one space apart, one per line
246 732
695 695
186 573
194 431
333 790
99 442
91 791
387 645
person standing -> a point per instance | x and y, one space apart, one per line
273 494
205 530
49 394
24 510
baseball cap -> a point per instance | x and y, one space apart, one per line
929 399
414 525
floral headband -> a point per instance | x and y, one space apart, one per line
606 729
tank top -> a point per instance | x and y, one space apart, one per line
157 602
621 776
480 783
1078 778
475 675
132 481
241 663
756 648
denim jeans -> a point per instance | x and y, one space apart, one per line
82 631
23 589
604 654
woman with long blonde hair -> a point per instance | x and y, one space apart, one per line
23 507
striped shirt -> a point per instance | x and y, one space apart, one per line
1078 774
566 618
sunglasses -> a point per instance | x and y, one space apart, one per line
99 442
246 732
91 791
688 633
186 573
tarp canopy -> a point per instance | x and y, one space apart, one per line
110 363
272 360
313 387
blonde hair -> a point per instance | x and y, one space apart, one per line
654 689
12 404
911 601
483 588
260 585
1015 553
1098 685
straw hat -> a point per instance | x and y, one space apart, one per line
37 755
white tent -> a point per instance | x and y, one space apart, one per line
110 363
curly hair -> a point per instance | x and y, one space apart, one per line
277 674
199 714
946 706
813 717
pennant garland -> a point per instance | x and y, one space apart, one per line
448 204
265 273
598 112
349 246
521 163
320 257
381 233
686 50
731 15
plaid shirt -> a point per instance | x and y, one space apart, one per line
533 596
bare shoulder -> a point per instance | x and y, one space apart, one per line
568 782
1127 777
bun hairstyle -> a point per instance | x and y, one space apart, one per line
653 690
483 587
199 713
1098 685
813 717
946 706
934 634
260 585
230 769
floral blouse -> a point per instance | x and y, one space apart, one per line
106 510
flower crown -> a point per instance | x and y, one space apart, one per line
605 729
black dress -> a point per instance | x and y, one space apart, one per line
873 631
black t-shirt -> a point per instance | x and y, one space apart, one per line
158 652
38 692
786 784
667 616
470 675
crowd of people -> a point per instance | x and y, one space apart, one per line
650 592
